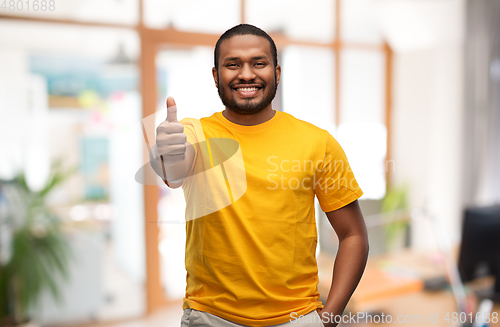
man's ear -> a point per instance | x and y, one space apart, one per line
278 74
216 77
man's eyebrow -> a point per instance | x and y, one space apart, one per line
231 58
238 58
259 57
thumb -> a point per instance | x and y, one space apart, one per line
171 110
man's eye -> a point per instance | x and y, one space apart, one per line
260 64
231 65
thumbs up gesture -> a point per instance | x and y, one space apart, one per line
170 138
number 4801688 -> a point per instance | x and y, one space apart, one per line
27 5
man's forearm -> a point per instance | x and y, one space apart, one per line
172 173
348 269
156 163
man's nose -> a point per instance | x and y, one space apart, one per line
246 73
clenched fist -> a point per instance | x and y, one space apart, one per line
170 138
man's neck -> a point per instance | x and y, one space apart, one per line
249 120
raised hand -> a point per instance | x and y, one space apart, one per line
170 137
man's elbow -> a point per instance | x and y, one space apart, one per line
361 243
366 247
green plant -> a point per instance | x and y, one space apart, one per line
39 252
395 206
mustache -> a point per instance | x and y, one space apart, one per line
247 83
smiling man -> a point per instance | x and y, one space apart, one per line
250 175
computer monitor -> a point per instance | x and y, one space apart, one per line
480 248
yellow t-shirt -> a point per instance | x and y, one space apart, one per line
250 222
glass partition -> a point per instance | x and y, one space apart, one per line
308 85
362 131
76 103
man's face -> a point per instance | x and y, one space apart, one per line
247 79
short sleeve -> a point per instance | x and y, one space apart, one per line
335 184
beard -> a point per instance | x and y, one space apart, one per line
248 107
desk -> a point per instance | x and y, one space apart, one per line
409 301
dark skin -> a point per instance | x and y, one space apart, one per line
248 59
349 224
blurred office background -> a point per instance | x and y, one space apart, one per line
410 89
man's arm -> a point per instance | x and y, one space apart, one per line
175 173
349 224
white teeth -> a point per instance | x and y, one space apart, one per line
247 89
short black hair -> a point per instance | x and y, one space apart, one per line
244 29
